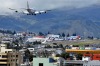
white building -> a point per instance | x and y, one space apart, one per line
52 37
42 39
74 37
36 38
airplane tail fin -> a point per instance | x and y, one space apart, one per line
27 5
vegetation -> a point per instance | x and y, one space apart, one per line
63 55
28 55
41 34
36 42
79 56
7 32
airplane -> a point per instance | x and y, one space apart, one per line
30 11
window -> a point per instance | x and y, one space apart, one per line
3 64
3 60
40 64
5 51
13 55
4 56
16 55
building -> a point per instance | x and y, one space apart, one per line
3 59
82 51
9 57
14 59
92 63
74 38
91 59
3 48
52 37
36 38
43 62
92 56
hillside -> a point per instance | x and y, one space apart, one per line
83 21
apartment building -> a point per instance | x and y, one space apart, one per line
3 59
14 59
9 57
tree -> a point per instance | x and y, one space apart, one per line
67 46
58 55
6 31
48 32
54 43
30 57
41 34
14 32
65 55
36 42
79 56
90 37
61 46
68 35
63 34
74 34
8 46
27 53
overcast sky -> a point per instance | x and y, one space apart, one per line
44 4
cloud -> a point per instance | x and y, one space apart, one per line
43 4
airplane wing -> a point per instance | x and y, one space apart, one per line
13 9
44 11
48 10
37 12
23 11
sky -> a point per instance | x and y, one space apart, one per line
44 4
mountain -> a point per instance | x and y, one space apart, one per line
82 21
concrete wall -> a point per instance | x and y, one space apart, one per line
92 63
